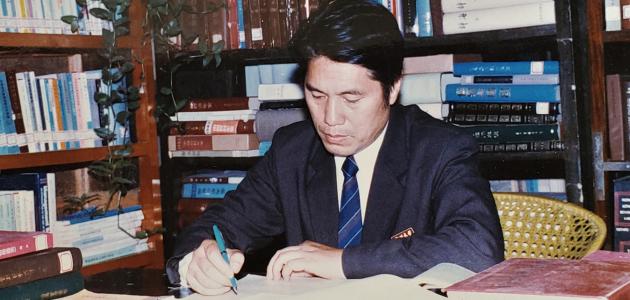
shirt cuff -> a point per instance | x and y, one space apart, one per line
183 270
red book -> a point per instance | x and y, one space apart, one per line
216 104
14 243
214 127
546 279
213 142
232 25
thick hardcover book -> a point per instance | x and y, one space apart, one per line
232 25
14 243
213 142
216 104
477 119
507 17
409 18
512 79
539 108
243 114
215 176
617 110
506 68
536 146
18 118
449 6
257 32
6 118
213 127
217 153
265 105
280 91
542 279
612 15
207 190
39 265
293 16
36 182
621 198
47 288
625 14
436 17
513 133
502 93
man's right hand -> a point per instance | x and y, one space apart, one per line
208 273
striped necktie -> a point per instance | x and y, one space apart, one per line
350 209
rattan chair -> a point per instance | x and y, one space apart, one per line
541 227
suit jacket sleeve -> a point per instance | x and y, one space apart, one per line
466 230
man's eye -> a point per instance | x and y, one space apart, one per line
318 96
352 99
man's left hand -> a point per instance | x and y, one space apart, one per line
307 259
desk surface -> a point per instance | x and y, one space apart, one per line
149 282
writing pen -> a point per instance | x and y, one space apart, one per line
221 243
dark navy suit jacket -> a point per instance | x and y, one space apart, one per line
425 178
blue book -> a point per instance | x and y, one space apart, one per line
424 20
207 190
506 93
65 109
506 68
36 182
241 24
5 107
86 215
72 108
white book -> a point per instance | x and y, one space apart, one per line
36 110
449 6
70 237
425 87
516 16
52 203
24 208
47 136
91 259
612 15
280 91
106 221
512 79
243 114
7 217
25 107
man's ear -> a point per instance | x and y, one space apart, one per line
393 95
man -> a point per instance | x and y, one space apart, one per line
366 187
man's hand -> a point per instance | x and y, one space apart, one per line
208 273
307 259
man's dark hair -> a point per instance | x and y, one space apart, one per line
359 32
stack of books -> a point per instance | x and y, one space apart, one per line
215 127
203 188
548 187
510 106
30 268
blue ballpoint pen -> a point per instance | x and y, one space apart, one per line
221 243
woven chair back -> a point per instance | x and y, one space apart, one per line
541 227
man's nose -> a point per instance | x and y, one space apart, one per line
333 114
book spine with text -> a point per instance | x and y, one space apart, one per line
540 108
216 104
206 190
506 68
502 93
536 146
213 127
213 142
449 6
512 79
48 288
513 133
24 243
39 265
474 119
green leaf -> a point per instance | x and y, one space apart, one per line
102 98
74 27
162 10
180 103
217 59
101 13
203 47
218 46
156 3
121 30
165 90
118 58
81 2
127 67
104 133
122 180
122 117
172 28
206 61
69 19
117 76
133 105
108 38
110 4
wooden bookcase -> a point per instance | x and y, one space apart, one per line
145 149
605 53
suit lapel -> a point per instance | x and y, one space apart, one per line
321 193
387 189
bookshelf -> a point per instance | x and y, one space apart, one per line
145 148
606 54
529 43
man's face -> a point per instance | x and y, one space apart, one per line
346 105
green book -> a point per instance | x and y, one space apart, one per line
48 288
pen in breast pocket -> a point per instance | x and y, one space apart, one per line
221 243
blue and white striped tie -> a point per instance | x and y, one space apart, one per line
350 226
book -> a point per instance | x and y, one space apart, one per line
617 108
507 17
37 265
36 182
213 127
513 132
425 87
14 243
215 176
206 190
247 141
502 93
438 63
536 108
612 15
18 117
424 18
282 104
449 6
535 146
48 288
476 119
621 213
216 104
546 279
506 68
280 91
512 79
242 114
216 153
